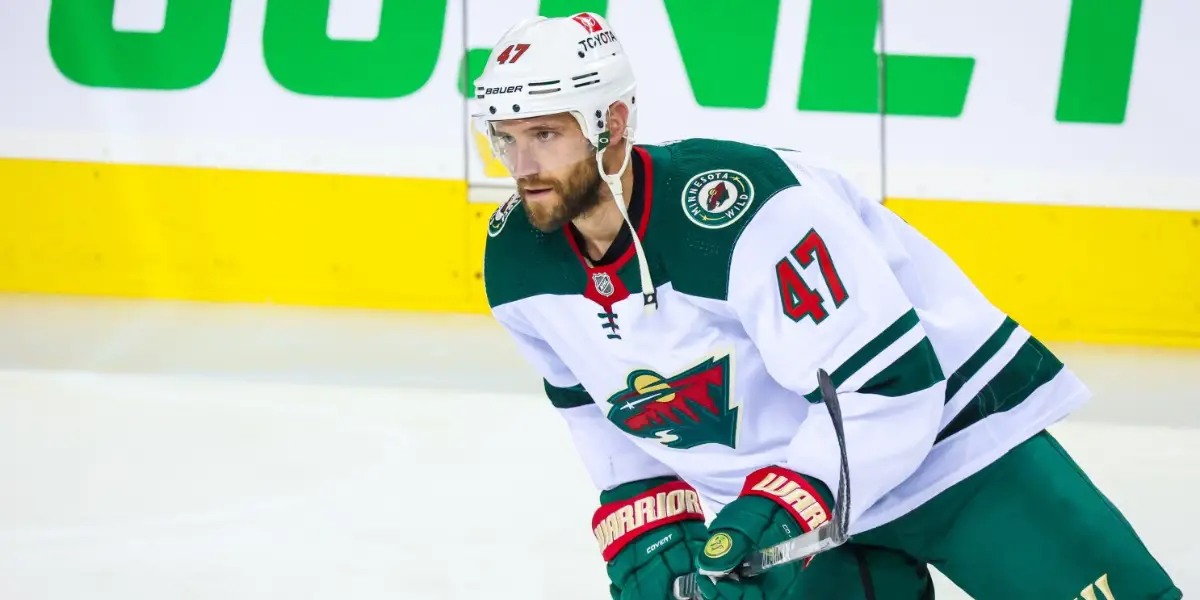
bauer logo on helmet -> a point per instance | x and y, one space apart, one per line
511 89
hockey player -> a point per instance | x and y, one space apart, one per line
678 301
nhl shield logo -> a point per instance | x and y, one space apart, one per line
603 284
717 198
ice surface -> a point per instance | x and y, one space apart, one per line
192 451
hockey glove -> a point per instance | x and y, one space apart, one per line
775 504
649 533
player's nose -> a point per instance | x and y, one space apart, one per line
524 164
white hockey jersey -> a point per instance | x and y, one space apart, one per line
767 268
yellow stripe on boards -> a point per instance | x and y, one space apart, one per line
228 235
1093 274
1074 273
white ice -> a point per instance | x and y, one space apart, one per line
153 450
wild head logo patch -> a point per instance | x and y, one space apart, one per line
681 411
717 198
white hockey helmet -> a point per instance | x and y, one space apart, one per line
574 65
545 66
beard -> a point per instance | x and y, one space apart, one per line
578 193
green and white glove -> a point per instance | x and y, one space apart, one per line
775 504
649 532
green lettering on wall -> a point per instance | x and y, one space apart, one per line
841 68
726 47
470 68
398 62
89 51
566 8
1098 61
475 59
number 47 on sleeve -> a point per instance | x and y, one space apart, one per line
798 299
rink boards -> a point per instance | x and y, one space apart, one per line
272 154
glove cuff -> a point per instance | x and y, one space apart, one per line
807 500
617 523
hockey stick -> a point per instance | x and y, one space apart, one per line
826 536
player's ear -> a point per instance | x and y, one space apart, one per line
618 119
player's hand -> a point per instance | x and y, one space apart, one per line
647 568
656 531
775 505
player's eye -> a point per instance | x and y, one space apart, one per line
546 136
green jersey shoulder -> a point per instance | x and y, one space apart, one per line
706 192
520 261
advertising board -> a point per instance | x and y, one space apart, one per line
318 151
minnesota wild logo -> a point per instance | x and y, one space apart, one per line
684 411
500 216
718 198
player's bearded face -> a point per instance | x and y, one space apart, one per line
554 199
554 166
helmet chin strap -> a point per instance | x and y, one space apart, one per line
649 295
